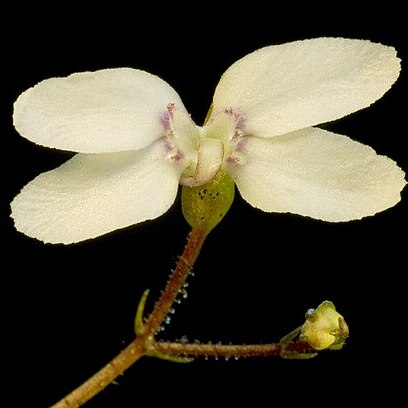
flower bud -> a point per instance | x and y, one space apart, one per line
324 327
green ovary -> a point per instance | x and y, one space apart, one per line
206 205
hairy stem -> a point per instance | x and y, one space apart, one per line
235 351
144 341
176 281
104 376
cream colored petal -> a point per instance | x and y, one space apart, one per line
104 111
282 88
318 174
93 194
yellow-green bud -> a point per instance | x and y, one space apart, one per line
324 327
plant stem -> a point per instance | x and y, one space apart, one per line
144 340
104 376
176 281
286 350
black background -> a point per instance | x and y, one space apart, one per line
68 309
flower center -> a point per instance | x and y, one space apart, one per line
203 150
209 158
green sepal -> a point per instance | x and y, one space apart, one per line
139 326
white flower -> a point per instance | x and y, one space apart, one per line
136 141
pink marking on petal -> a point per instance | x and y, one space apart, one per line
238 116
165 120
241 123
168 146
178 156
232 161
170 109
240 147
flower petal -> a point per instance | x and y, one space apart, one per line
93 194
104 111
292 86
318 174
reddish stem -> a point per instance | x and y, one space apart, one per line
232 350
139 346
176 281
